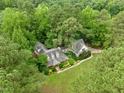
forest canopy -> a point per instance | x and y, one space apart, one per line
55 23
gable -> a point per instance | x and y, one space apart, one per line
78 47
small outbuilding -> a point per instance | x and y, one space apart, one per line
78 47
55 56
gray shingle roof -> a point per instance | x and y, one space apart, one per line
78 47
55 56
40 48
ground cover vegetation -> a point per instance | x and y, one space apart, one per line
58 23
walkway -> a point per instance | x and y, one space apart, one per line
93 51
75 64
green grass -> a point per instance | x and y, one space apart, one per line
61 83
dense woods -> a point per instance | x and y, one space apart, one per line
58 23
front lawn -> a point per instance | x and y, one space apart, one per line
61 83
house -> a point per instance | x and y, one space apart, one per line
39 48
78 47
55 56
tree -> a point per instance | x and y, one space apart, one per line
88 17
9 53
115 6
5 3
103 29
25 5
18 37
65 33
69 31
42 63
97 28
107 75
17 74
41 22
95 4
118 30
99 4
14 21
56 15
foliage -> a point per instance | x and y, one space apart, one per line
13 19
107 75
18 37
15 24
41 22
84 55
8 51
70 54
71 61
42 59
16 74
42 63
115 6
67 63
64 65
118 30
52 70
68 31
97 27
54 23
50 21
62 23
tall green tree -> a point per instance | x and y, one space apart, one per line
118 30
69 31
97 27
13 19
17 74
15 22
65 33
115 6
25 5
103 29
18 37
41 20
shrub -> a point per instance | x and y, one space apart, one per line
42 59
61 65
46 71
67 63
71 55
71 61
41 67
84 55
42 63
52 70
64 64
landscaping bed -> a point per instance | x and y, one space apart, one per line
73 60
